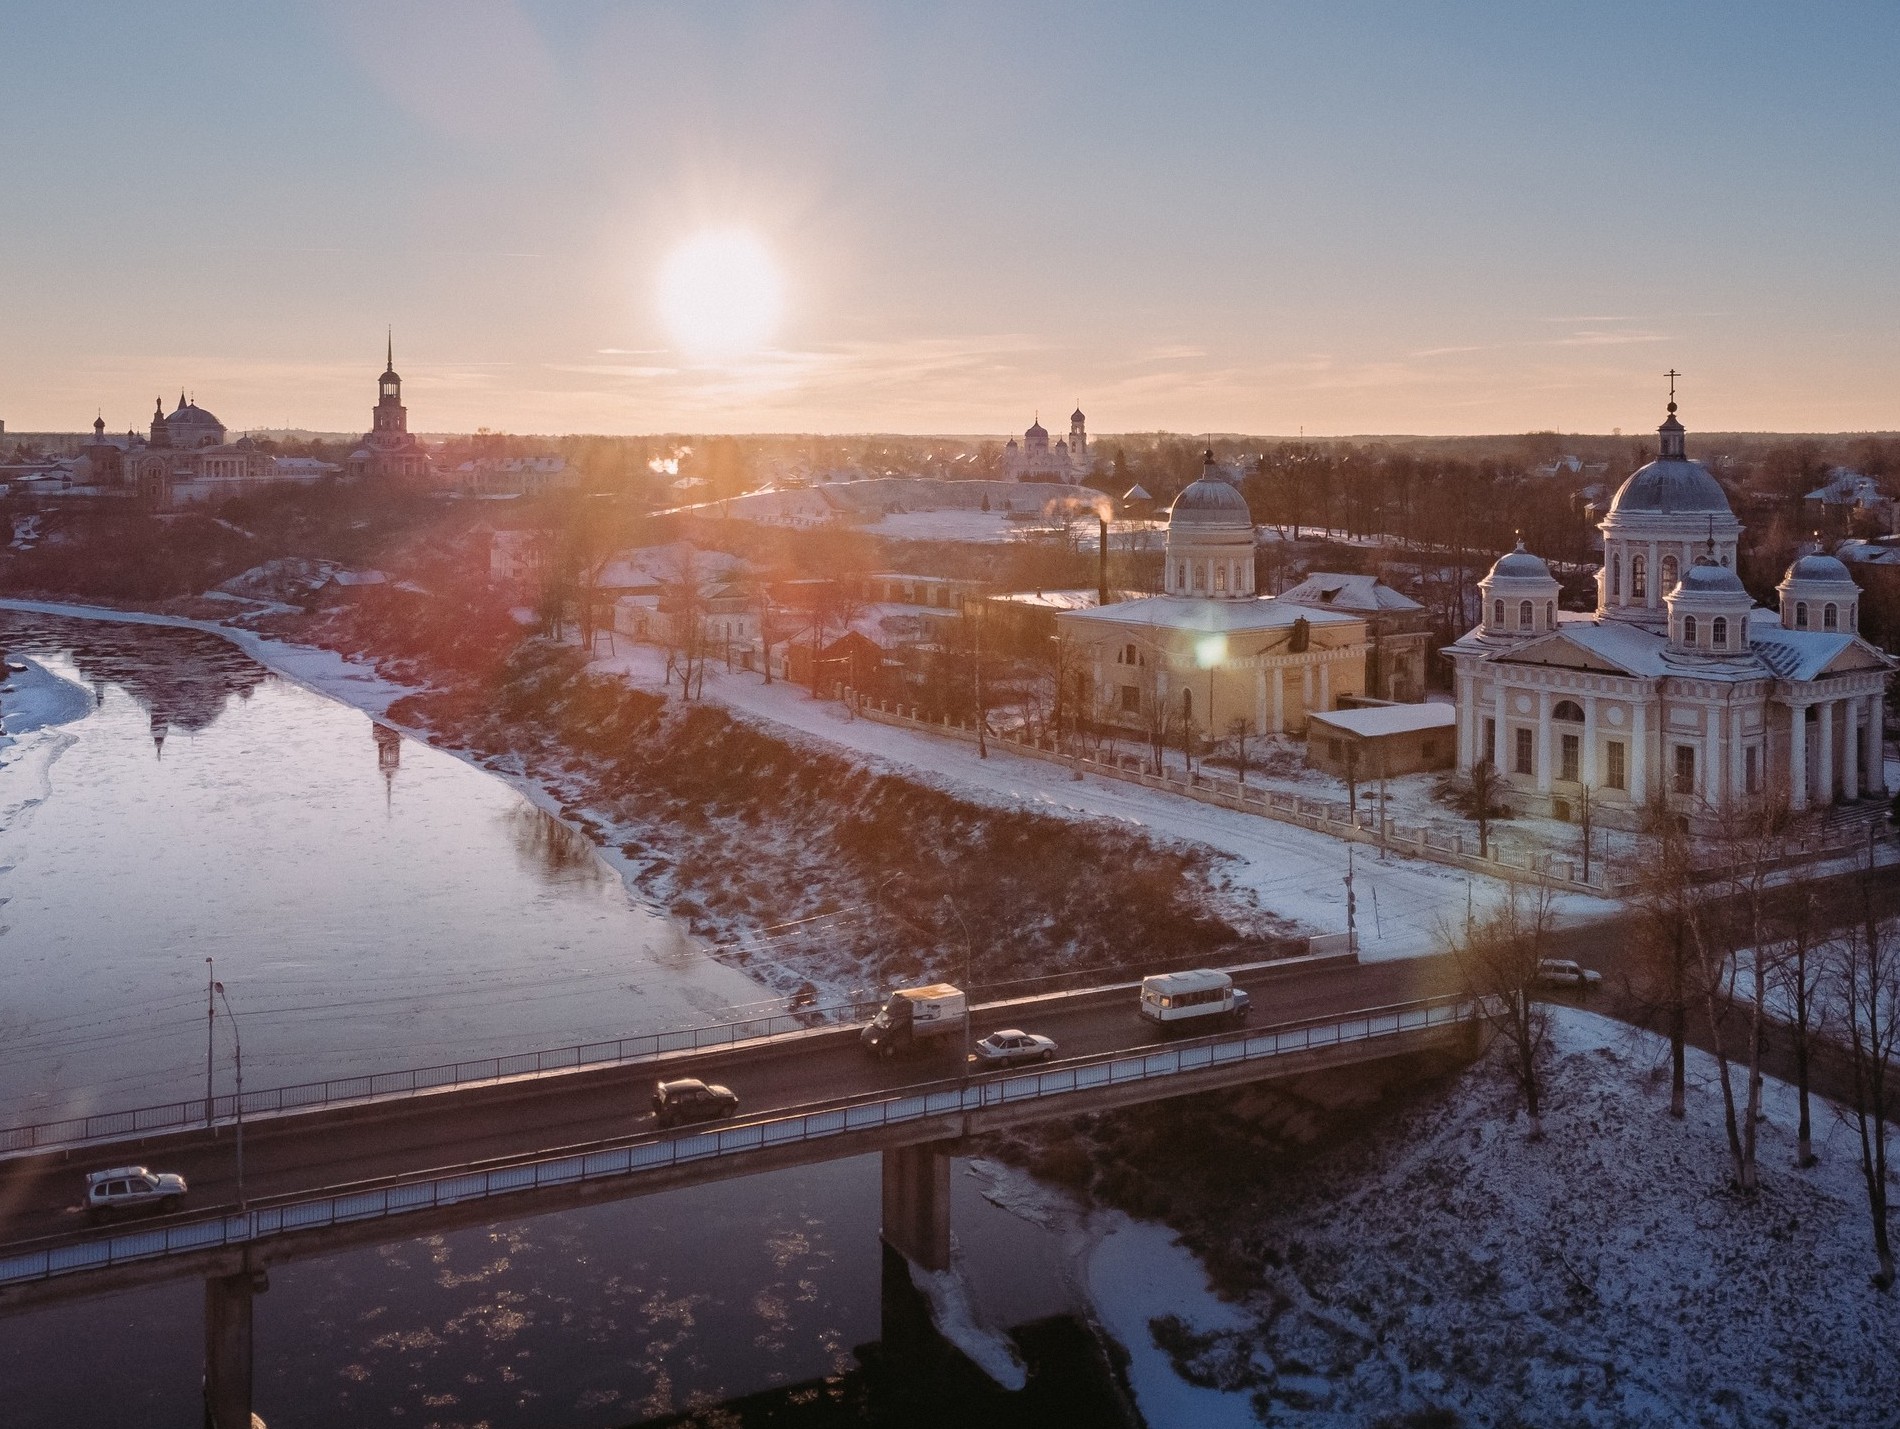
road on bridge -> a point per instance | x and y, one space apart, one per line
407 1137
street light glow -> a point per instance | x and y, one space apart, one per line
1210 650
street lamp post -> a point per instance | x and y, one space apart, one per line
237 1044
969 958
211 1018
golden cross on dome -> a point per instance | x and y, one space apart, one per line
1672 375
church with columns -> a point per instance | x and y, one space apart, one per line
1678 689
1210 652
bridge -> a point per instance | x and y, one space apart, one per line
405 1164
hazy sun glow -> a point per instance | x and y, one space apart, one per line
720 294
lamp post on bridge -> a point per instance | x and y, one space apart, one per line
237 1044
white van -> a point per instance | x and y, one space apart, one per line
1197 999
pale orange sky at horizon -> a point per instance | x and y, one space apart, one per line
1244 218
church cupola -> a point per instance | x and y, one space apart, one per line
1520 596
1708 612
1210 540
1817 593
161 429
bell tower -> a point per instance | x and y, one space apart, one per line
391 418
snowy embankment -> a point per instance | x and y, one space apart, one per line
1403 904
1605 1275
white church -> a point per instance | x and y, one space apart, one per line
1678 687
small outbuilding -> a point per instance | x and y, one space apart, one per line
1382 740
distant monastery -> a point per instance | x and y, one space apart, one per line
1035 460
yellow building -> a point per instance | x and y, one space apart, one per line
1210 650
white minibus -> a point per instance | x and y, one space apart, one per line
1180 1001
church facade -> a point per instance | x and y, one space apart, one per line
1678 689
1211 653
1033 459
389 451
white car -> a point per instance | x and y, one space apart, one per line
1003 1049
1561 972
129 1187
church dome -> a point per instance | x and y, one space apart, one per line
1818 568
1520 564
1037 430
1076 416
1705 579
1672 486
1210 502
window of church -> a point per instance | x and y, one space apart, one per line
1180 576
1751 769
1550 615
1524 617
1800 615
1570 754
1200 578
1830 616
1616 577
1688 630
1616 764
1718 632
1497 612
1526 752
1668 574
1685 769
1220 579
1131 699
1639 577
1568 710
1490 742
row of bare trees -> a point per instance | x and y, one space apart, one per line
1739 963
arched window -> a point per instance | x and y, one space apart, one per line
1719 632
1616 577
1200 578
1550 615
1800 615
1830 616
1688 630
1668 575
1525 619
1639 578
1568 710
1220 579
1497 612
1180 576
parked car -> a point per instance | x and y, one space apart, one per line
689 1099
1005 1049
1561 972
1193 1001
126 1188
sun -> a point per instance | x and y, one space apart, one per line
720 294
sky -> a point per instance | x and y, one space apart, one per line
1252 217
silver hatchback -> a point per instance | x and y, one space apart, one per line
126 1188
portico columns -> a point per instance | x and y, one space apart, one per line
1850 749
1715 782
1260 702
1877 742
1325 684
1306 689
1798 757
1589 742
1497 727
1543 741
1826 708
1279 699
1461 696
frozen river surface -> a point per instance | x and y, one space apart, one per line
371 903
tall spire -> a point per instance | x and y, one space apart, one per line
1670 432
389 351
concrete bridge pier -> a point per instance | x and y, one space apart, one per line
229 1348
917 1203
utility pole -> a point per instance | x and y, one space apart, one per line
211 1016
237 1043
1352 926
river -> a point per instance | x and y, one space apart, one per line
372 902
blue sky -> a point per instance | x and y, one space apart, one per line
1241 217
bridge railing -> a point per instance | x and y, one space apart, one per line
350 1206
309 1096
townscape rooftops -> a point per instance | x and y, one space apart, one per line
1357 593
1376 721
1180 612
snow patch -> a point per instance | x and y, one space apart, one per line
35 697
953 1309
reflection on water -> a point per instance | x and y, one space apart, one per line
549 847
371 903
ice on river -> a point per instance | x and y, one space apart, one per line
371 903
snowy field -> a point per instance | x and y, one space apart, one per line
1295 873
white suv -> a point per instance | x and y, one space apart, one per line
128 1187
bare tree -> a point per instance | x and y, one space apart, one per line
683 622
1867 981
1797 977
1665 906
1498 959
1482 796
1240 730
